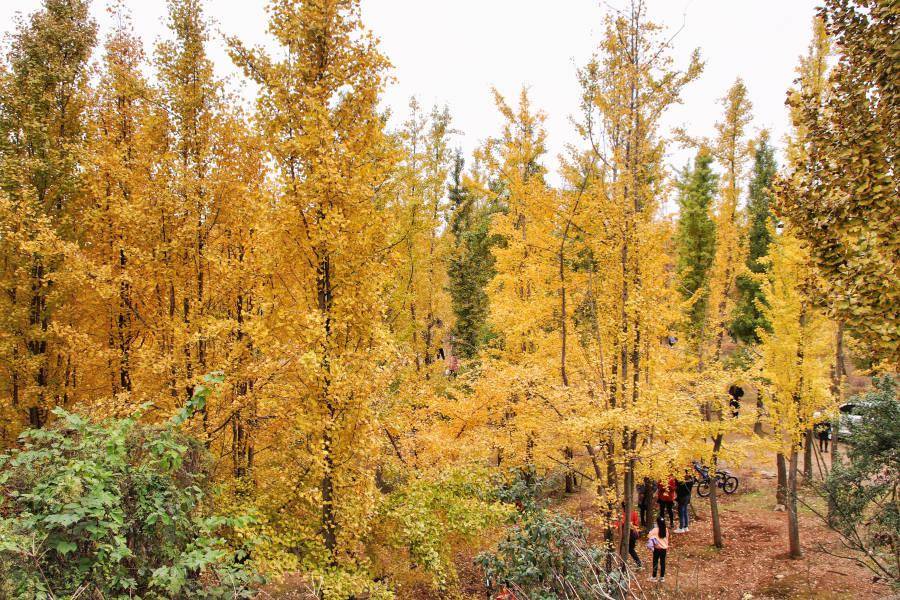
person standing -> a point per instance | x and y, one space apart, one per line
736 392
646 492
633 534
683 498
823 431
658 541
665 496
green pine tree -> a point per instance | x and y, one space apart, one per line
696 237
471 264
747 316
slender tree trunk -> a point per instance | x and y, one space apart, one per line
329 516
199 312
15 377
793 523
239 433
793 467
781 483
603 495
564 378
415 335
429 335
837 380
38 321
612 477
186 348
329 523
611 499
563 333
760 410
123 324
628 494
809 440
570 474
623 348
713 496
14 367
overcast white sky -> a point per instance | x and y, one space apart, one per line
453 52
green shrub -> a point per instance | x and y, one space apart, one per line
422 516
546 556
861 493
112 510
525 488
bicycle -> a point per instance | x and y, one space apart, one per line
724 480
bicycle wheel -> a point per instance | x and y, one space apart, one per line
703 488
731 484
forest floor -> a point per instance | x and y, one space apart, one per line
753 564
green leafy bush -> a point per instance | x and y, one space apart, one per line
422 515
525 488
861 492
112 510
546 556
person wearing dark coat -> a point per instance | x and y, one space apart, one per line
823 432
646 492
736 392
683 498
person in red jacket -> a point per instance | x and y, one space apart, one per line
633 534
665 496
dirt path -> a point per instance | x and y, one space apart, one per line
754 562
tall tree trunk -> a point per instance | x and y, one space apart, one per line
562 331
628 494
564 378
329 516
38 321
329 523
123 325
713 496
760 410
603 494
793 523
415 335
809 440
199 312
429 340
781 482
838 373
793 467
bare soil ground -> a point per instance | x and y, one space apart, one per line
754 562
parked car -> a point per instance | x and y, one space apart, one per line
851 413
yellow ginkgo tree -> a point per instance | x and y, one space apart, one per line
583 295
794 358
325 340
626 89
522 413
732 151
